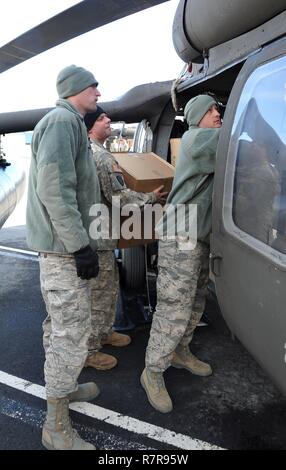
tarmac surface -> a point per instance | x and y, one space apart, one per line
238 407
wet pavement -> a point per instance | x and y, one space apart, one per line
238 407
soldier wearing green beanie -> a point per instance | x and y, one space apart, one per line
183 261
63 185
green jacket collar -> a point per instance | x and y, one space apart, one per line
62 103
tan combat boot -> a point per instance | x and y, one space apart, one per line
116 339
101 361
154 386
84 392
184 359
58 433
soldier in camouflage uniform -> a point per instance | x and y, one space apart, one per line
105 289
63 185
183 269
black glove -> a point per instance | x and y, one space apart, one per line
86 261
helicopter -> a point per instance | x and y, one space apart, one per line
239 55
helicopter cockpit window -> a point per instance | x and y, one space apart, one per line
135 137
259 134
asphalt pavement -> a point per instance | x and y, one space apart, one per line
238 407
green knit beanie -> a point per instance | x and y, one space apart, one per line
197 107
72 80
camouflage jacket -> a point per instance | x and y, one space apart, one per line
112 184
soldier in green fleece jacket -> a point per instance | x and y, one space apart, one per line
63 185
183 266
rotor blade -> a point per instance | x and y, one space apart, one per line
79 19
142 101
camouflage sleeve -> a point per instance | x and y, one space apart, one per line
112 183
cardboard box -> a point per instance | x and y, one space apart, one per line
144 172
175 147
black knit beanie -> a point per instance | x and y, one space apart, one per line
90 118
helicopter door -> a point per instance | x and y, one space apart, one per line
248 246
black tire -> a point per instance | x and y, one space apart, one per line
133 268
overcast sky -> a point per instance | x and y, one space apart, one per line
134 50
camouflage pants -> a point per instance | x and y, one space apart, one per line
104 292
181 291
68 324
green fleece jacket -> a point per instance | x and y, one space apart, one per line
193 181
63 183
